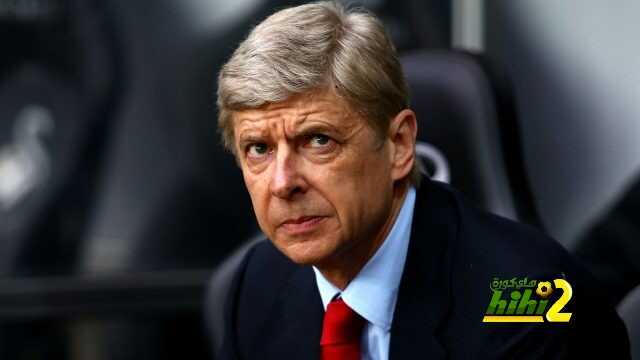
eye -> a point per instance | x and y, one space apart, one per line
257 150
319 140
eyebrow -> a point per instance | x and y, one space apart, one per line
250 138
305 129
316 126
252 131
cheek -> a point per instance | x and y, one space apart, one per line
352 186
355 173
339 184
258 192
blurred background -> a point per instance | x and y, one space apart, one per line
117 201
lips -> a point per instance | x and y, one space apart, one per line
300 220
302 224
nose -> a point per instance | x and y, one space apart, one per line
286 180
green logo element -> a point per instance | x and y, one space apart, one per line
519 300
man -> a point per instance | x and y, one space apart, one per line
366 260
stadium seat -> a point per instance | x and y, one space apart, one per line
629 310
170 197
57 86
466 111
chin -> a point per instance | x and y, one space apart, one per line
307 252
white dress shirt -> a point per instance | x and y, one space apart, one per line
374 291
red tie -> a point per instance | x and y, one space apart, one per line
341 332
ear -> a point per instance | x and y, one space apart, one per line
402 134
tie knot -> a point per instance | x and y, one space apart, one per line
341 324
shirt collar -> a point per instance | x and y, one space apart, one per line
374 291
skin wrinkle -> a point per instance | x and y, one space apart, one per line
353 185
275 111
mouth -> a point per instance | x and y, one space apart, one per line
301 225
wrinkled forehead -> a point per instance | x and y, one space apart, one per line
288 115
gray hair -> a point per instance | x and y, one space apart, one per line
312 47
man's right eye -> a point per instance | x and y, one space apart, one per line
257 149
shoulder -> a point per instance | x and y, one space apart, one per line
484 241
484 247
261 271
241 292
266 269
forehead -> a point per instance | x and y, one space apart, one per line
316 106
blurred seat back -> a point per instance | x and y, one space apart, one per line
171 198
56 90
629 310
58 74
467 120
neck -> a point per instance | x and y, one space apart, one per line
342 270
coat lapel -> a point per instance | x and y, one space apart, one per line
424 296
296 325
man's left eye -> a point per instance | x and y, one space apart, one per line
319 140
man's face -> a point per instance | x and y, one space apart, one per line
318 176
